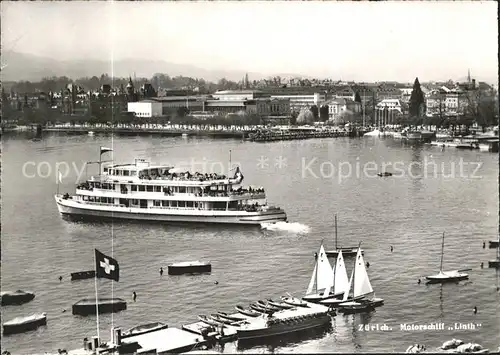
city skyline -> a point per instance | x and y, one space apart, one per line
349 41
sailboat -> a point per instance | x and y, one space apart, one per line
340 283
321 280
447 276
347 251
362 298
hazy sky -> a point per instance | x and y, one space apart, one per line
348 40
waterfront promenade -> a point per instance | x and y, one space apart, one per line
258 133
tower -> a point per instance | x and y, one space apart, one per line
468 76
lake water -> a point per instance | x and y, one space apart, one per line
409 211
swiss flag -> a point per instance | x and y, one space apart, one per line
106 267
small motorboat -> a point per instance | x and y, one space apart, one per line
266 305
189 267
494 244
231 317
294 301
87 306
24 324
144 328
281 305
384 174
261 309
233 323
82 275
247 312
16 297
210 321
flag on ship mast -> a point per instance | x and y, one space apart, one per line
104 150
106 267
60 177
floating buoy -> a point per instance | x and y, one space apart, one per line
475 310
161 271
134 295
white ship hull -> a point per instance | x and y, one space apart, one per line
77 209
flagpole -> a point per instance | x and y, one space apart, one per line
96 299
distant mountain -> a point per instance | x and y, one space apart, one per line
20 66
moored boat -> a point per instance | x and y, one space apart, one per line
82 275
247 312
446 276
145 192
87 306
345 250
294 301
321 280
281 305
210 321
24 324
144 329
220 319
494 244
189 267
16 297
266 304
340 283
261 309
233 318
285 322
363 297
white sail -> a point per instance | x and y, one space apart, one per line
346 295
325 272
362 285
340 278
311 288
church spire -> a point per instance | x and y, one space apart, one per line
468 76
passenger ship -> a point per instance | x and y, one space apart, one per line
142 191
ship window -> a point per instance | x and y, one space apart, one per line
105 170
126 173
85 198
182 203
189 204
173 203
142 188
133 187
133 173
164 203
157 203
149 188
157 188
182 189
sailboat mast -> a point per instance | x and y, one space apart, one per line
442 253
336 232
316 276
